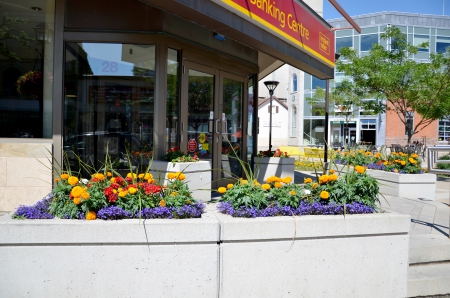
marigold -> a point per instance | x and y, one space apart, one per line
229 185
85 195
403 162
132 190
91 215
77 191
243 181
77 200
332 171
181 176
64 176
170 176
333 177
287 180
123 193
307 180
141 176
112 180
412 160
162 203
292 192
99 176
72 180
151 180
148 176
414 155
272 179
324 194
56 179
278 184
315 185
222 190
131 175
323 179
360 169
109 174
265 186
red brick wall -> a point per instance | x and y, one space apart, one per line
395 130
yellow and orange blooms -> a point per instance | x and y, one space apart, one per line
112 180
91 215
331 171
162 203
99 176
273 179
64 176
307 180
324 194
132 190
265 186
56 179
323 179
178 175
287 180
221 190
122 192
243 181
315 185
292 192
332 177
109 174
85 195
77 191
412 160
131 175
230 185
278 184
72 180
360 169
77 200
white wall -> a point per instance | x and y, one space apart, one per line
279 126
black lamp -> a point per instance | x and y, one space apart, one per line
271 85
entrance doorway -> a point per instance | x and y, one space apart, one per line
211 119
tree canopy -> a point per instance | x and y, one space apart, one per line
409 86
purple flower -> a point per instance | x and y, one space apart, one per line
40 210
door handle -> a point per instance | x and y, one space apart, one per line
217 126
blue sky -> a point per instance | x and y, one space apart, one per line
358 7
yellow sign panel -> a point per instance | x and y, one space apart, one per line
202 138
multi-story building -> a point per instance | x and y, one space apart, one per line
382 129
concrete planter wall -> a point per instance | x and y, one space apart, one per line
215 256
403 185
274 166
198 175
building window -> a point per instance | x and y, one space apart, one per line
318 83
409 122
343 42
294 83
420 39
367 41
444 130
368 124
294 122
442 44
172 101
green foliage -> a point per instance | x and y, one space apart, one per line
393 75
246 193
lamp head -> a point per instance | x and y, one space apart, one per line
271 85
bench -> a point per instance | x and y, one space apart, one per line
292 151
314 152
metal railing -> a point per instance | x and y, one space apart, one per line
433 158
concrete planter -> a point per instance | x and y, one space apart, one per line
402 185
213 256
274 166
332 256
198 175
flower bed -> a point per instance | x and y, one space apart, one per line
108 197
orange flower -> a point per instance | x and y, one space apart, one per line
287 180
131 175
170 176
278 184
324 194
123 193
307 180
333 177
109 174
56 179
323 179
99 176
113 180
72 180
412 160
243 181
331 171
64 176
360 169
403 162
162 203
222 190
91 215
85 195
132 190
292 192
315 185
229 185
181 177
271 179
77 200
148 176
77 191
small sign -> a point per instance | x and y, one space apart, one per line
202 138
192 145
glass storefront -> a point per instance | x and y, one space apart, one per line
108 103
26 69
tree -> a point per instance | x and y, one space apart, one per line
408 86
342 99
7 33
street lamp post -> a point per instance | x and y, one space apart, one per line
271 85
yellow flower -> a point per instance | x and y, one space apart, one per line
244 181
403 162
77 191
271 179
385 163
170 176
395 171
181 176
360 169
324 194
109 174
414 155
72 180
265 186
77 200
307 180
323 179
412 160
123 193
332 177
331 171
292 192
377 155
113 180
151 180
230 186
173 193
91 215
131 175
162 203
287 180
140 176
222 190
148 176
278 184
64 176
99 176
132 190
85 195
315 185
368 153
56 179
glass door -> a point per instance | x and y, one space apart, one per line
211 122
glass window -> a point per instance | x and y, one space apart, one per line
420 39
294 83
367 41
251 116
26 68
442 44
172 102
108 103
318 83
444 130
368 124
313 131
294 122
343 42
